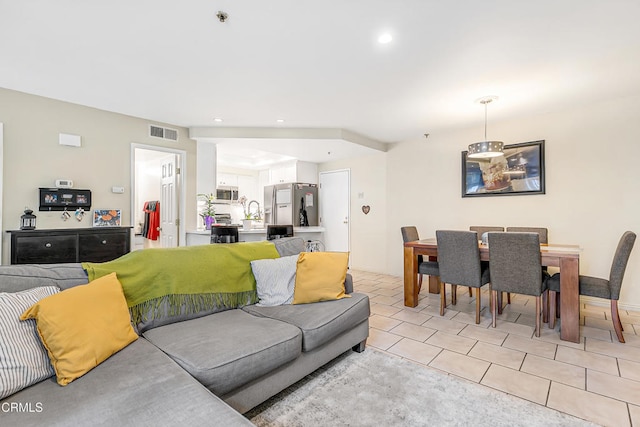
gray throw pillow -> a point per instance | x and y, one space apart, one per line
275 280
23 358
288 246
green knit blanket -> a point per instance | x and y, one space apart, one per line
196 277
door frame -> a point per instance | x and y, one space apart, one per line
1 181
348 171
181 188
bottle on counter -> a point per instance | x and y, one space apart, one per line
304 220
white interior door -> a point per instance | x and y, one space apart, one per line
334 209
146 182
168 205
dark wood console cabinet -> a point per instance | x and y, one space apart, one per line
69 245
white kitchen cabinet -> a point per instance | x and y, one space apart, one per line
297 171
283 173
307 172
227 180
263 181
248 187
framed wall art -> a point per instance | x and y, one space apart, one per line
107 218
61 199
519 171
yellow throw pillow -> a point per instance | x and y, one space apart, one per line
83 326
320 277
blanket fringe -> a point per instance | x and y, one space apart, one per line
175 305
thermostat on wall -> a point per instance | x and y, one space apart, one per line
64 183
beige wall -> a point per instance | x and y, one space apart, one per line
33 157
591 170
368 232
592 192
593 188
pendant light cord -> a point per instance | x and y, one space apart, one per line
485 120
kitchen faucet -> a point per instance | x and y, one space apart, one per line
249 208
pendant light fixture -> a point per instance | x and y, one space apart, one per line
485 149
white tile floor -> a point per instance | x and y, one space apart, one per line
597 379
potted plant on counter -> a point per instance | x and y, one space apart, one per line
208 211
247 217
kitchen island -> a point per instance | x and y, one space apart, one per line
203 237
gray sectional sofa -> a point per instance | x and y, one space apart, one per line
202 371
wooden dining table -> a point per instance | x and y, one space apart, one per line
565 257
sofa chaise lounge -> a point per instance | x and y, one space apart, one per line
201 371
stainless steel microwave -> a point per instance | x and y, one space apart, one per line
227 195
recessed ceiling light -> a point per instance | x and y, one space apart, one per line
217 119
385 38
279 120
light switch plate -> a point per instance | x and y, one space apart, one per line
117 190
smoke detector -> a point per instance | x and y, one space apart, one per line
222 16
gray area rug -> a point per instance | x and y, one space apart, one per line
376 389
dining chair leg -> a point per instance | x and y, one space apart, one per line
552 309
494 298
443 297
545 307
478 305
538 304
615 316
490 299
508 297
470 292
454 294
419 282
499 299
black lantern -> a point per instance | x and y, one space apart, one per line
28 220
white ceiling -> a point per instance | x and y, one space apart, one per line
318 64
253 153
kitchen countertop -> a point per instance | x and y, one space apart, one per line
264 230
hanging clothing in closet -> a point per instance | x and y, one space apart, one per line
151 228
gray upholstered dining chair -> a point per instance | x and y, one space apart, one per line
600 288
544 239
542 232
430 268
459 262
516 267
481 229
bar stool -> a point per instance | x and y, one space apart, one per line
224 234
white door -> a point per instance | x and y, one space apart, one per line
334 209
168 207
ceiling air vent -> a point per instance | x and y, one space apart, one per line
164 133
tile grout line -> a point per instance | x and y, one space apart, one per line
519 315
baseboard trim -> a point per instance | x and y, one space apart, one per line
599 302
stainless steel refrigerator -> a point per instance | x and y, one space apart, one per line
294 203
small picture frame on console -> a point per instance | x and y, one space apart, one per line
107 217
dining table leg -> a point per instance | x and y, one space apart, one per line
569 300
410 282
434 281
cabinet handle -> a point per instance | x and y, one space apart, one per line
104 242
47 245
